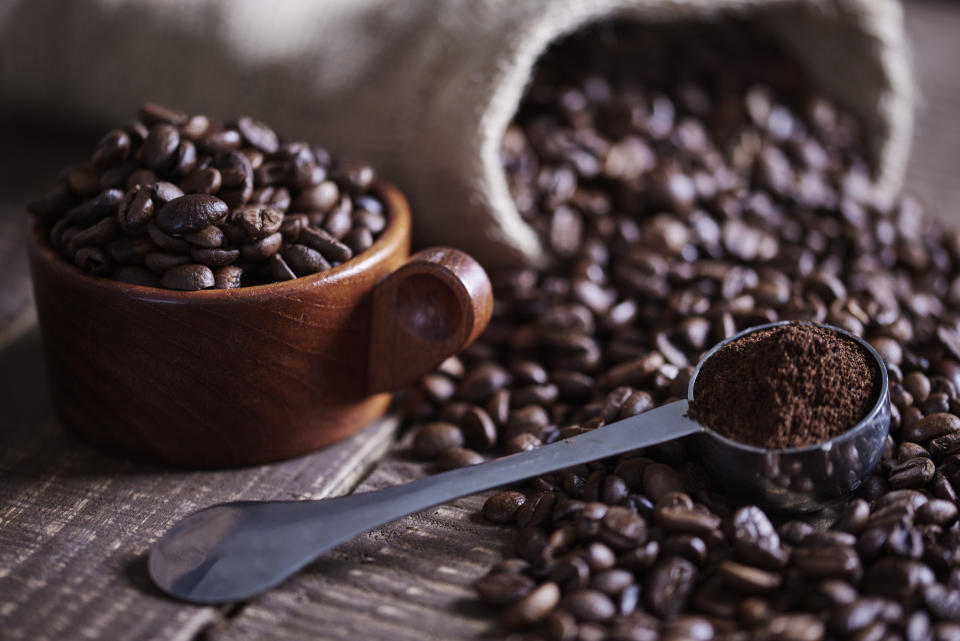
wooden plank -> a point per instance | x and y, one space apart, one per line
411 579
75 523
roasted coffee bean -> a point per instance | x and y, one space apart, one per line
220 142
279 269
532 419
163 192
533 607
794 532
942 601
914 473
480 382
202 181
438 387
570 574
260 222
502 507
793 627
185 160
214 257
228 277
356 177
93 211
659 479
135 275
944 446
209 237
258 134
479 430
897 578
747 579
622 529
668 586
160 262
93 260
303 260
826 562
755 540
504 588
909 450
458 457
589 605
130 250
338 221
611 582
358 239
861 613
190 213
854 517
689 547
151 113
931 427
614 490
98 234
686 521
560 626
166 242
263 248
937 511
331 248
829 538
112 149
188 277
432 439
160 147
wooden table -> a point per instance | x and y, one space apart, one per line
75 523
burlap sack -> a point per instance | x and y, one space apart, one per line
421 88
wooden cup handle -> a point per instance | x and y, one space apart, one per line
436 304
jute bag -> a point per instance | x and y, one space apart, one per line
423 89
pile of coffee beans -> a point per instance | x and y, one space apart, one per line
789 386
180 201
689 185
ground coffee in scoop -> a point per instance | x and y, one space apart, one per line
785 387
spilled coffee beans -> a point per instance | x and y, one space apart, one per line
688 184
182 202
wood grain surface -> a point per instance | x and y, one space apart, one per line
409 580
74 523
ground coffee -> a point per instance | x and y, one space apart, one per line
786 387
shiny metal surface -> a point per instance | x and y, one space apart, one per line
232 551
799 479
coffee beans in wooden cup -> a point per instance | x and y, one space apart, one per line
220 378
208 196
690 185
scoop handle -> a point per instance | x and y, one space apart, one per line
232 551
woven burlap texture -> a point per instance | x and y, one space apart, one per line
422 89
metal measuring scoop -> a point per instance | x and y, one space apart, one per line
232 551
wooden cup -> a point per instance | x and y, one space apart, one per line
220 378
